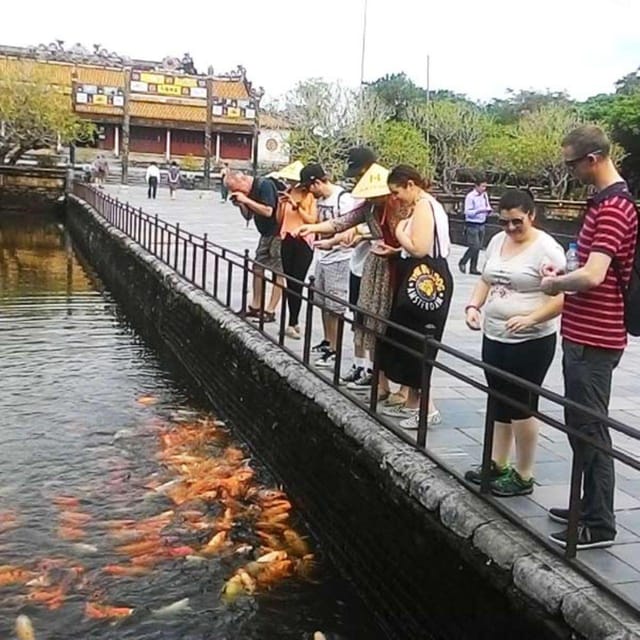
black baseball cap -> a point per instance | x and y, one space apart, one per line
310 173
359 159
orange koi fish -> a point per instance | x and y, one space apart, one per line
103 611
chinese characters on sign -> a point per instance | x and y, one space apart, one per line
229 108
167 85
98 95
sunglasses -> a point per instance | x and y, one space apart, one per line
515 222
571 164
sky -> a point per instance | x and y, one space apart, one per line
479 48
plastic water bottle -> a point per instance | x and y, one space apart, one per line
573 261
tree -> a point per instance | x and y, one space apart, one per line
399 143
398 93
454 130
327 119
35 115
520 103
319 114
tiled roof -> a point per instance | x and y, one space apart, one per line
102 109
269 121
160 111
57 73
100 76
232 89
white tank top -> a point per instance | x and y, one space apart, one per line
441 223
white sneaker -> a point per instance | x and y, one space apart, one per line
327 360
399 412
412 422
362 382
292 332
352 375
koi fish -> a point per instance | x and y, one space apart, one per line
102 611
147 401
172 609
24 628
124 570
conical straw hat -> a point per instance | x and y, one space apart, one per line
290 172
373 183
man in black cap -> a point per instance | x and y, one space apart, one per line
359 159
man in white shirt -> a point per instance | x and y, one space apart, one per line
476 209
152 178
333 265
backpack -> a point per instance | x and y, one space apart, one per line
631 292
281 188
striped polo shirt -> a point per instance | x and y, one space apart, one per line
596 317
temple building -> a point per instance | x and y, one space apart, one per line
148 110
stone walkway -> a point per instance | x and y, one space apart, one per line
458 440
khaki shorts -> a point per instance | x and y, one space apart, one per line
333 278
268 253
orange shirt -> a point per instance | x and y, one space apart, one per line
292 218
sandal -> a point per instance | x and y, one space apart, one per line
394 400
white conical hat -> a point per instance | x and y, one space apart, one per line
290 172
373 183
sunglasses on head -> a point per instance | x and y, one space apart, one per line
570 164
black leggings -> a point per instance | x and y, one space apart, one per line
529 360
296 259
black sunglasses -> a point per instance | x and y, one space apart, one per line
574 161
516 222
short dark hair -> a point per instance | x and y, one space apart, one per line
480 179
587 139
517 199
403 173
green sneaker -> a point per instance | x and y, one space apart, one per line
511 484
496 472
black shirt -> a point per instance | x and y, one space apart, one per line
264 192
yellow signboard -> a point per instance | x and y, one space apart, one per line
100 99
169 89
233 112
185 82
152 78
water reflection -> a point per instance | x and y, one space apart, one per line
122 502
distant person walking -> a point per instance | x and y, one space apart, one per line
476 209
173 177
153 178
224 190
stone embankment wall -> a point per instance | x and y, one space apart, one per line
31 189
431 559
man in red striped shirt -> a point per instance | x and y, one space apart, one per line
593 329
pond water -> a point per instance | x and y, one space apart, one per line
127 510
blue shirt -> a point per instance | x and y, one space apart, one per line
476 207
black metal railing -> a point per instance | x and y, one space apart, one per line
215 270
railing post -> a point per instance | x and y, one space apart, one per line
204 261
283 315
487 446
263 295
245 282
216 272
308 327
427 368
155 235
575 498
175 257
184 255
375 377
193 259
229 281
339 341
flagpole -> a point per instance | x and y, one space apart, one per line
364 41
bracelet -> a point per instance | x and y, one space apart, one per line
471 306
